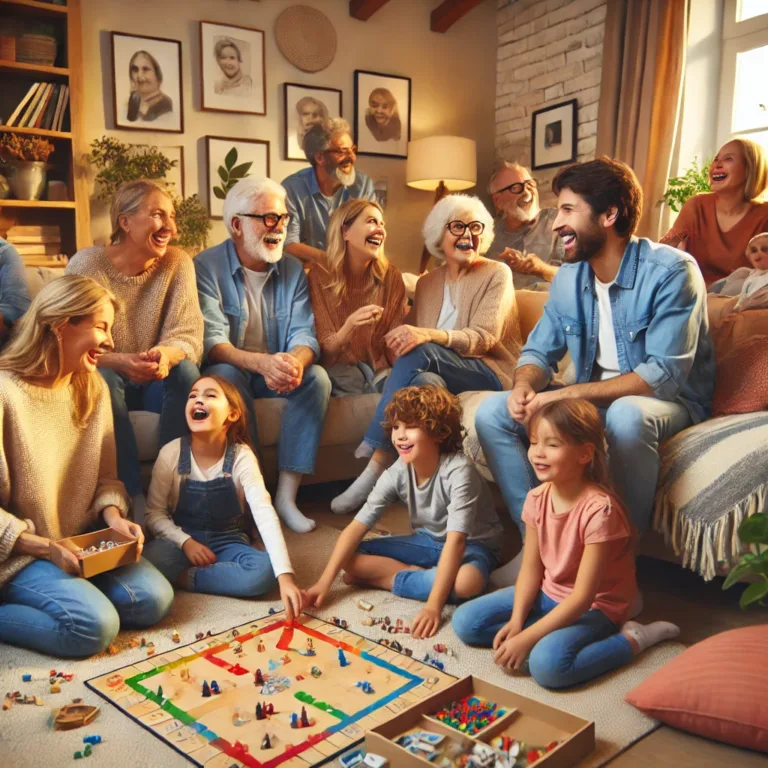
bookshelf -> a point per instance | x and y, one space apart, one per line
72 215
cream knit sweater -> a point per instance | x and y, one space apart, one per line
159 307
58 476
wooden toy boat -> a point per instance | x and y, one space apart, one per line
74 716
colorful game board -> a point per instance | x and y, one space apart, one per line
164 693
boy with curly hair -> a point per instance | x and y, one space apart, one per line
456 539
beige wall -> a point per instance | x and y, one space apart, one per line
453 88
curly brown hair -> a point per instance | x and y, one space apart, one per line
433 409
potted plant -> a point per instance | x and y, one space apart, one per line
681 188
754 532
27 159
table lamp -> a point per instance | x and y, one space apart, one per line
443 164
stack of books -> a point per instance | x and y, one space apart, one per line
38 246
44 106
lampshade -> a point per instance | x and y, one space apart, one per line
449 159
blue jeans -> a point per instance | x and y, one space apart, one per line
429 364
167 397
240 570
635 427
47 610
423 550
302 419
589 647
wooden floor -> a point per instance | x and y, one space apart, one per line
701 609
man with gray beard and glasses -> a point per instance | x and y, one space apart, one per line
315 193
260 330
524 238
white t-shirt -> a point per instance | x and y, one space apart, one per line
249 484
607 357
254 340
448 312
756 281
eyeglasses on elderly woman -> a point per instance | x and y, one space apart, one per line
458 228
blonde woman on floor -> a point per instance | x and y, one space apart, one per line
357 297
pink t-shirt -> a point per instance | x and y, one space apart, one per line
596 517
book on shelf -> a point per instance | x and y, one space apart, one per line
46 117
59 123
58 261
22 104
41 105
37 249
32 231
30 108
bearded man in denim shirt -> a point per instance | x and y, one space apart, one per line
633 315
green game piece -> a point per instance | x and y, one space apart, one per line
78 755
87 751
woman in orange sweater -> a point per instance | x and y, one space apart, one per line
463 332
357 298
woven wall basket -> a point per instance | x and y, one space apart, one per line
306 37
36 49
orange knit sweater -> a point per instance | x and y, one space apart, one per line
366 343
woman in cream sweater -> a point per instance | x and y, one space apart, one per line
462 333
58 478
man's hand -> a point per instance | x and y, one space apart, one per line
198 554
63 558
364 316
315 596
542 398
518 400
513 652
507 632
404 338
291 595
117 522
525 264
135 366
426 623
282 372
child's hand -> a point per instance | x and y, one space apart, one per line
198 554
513 652
507 632
315 595
291 595
426 623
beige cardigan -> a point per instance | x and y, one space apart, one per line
487 326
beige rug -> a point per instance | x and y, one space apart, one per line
27 738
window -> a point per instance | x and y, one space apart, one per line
749 9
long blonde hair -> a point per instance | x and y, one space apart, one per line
34 351
127 201
336 247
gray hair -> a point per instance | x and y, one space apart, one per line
246 193
318 138
503 167
128 200
463 207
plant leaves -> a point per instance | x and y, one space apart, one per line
223 174
231 158
241 171
754 530
753 593
736 573
219 192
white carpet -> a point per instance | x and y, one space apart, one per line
28 739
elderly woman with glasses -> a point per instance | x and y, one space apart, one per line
462 332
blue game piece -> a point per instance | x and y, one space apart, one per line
95 739
206 689
353 759
27 678
272 611
342 658
214 687
294 720
272 665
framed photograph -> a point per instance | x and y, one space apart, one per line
232 69
174 177
382 114
553 135
228 160
303 106
146 79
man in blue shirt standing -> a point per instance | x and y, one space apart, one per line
260 330
14 296
315 193
633 315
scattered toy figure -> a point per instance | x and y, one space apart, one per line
215 687
364 605
112 649
176 637
159 691
260 647
365 686
342 658
95 739
266 744
237 718
315 671
200 636
206 690
269 709
260 712
259 679
294 720
55 688
304 718
26 678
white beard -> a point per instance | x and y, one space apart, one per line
346 179
257 249
526 213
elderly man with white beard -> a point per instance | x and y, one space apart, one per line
315 193
524 240
260 330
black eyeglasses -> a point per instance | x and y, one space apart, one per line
271 220
517 187
458 228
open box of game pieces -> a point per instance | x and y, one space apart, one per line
474 724
101 551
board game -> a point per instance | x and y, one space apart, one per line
269 693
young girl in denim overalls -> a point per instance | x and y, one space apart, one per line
201 487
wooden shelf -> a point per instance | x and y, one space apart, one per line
37 204
16 67
36 131
35 8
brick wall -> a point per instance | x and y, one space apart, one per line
549 51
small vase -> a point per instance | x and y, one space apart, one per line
5 188
28 180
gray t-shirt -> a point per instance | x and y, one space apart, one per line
536 237
455 498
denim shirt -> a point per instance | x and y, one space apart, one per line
286 310
658 301
14 296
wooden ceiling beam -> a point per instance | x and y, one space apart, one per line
449 12
364 9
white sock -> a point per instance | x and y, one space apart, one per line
647 635
285 503
506 576
139 508
357 494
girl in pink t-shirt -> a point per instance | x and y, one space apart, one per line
576 587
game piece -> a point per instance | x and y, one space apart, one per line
339 622
269 709
176 637
55 688
342 658
353 759
395 646
304 719
294 720
316 672
150 649
265 743
78 755
87 751
272 611
215 687
143 643
159 691
365 686
367 621
286 659
112 649
185 676
27 678
134 642
237 718
95 739
259 680
272 665
260 647
364 605
260 712
206 690
372 760
200 636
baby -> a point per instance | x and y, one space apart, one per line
750 285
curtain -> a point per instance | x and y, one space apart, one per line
641 93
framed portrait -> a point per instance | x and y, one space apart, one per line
553 135
227 161
232 69
175 177
382 114
303 106
146 79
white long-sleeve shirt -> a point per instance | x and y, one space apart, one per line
249 484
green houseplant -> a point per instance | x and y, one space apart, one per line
754 532
695 179
230 173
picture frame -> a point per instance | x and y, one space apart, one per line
233 75
382 114
300 110
554 135
147 83
223 170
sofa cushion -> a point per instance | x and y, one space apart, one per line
742 378
714 689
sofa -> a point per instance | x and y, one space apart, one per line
712 476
